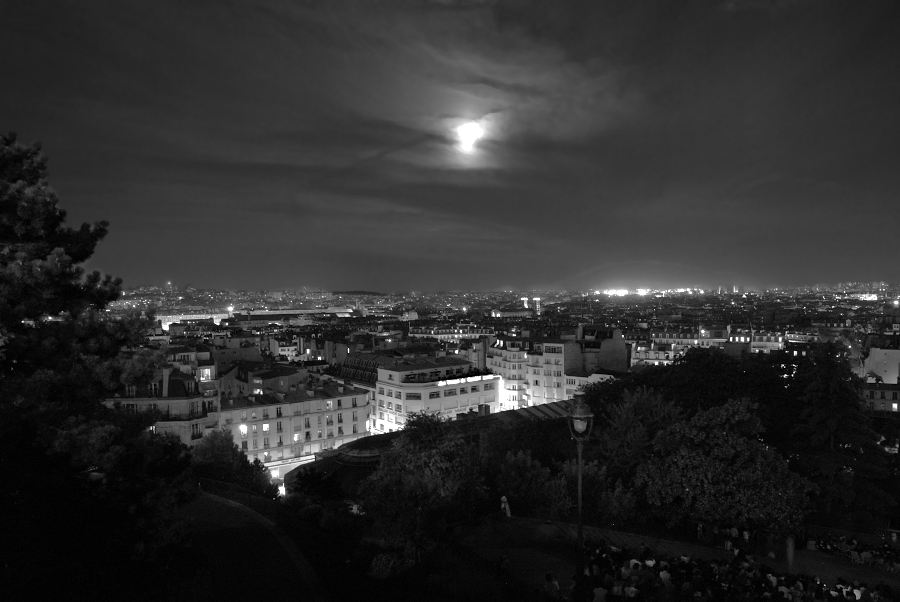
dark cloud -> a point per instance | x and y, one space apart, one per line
627 142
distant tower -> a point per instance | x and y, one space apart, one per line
525 301
537 305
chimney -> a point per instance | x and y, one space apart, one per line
165 380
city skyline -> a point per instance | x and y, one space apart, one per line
625 145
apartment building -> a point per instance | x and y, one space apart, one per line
443 386
284 430
507 358
185 410
452 333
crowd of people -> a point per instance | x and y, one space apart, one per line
885 556
618 575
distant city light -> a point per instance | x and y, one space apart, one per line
469 133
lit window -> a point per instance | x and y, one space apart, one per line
266 427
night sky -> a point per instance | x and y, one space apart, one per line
276 144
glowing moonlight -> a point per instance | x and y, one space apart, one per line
469 134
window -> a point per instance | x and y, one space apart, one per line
354 415
255 443
306 422
254 428
265 413
280 441
449 392
265 442
340 418
265 427
252 415
277 412
537 383
434 395
462 390
399 408
340 431
570 381
390 406
243 446
390 377
381 390
380 403
414 396
328 404
380 415
474 389
557 385
355 429
244 415
278 426
330 434
488 386
319 434
353 402
296 437
308 436
390 393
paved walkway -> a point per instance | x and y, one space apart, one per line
245 556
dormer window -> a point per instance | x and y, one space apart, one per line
130 390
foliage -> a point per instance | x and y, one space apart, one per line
51 311
833 443
429 477
603 503
524 483
314 485
624 436
714 468
216 456
89 492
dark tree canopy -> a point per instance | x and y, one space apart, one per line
52 335
89 492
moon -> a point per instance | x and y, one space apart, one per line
469 133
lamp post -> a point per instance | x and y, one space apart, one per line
581 421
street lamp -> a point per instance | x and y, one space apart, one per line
581 421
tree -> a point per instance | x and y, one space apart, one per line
218 457
430 476
714 468
90 492
625 434
833 443
51 321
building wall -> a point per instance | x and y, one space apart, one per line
885 363
446 398
286 430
